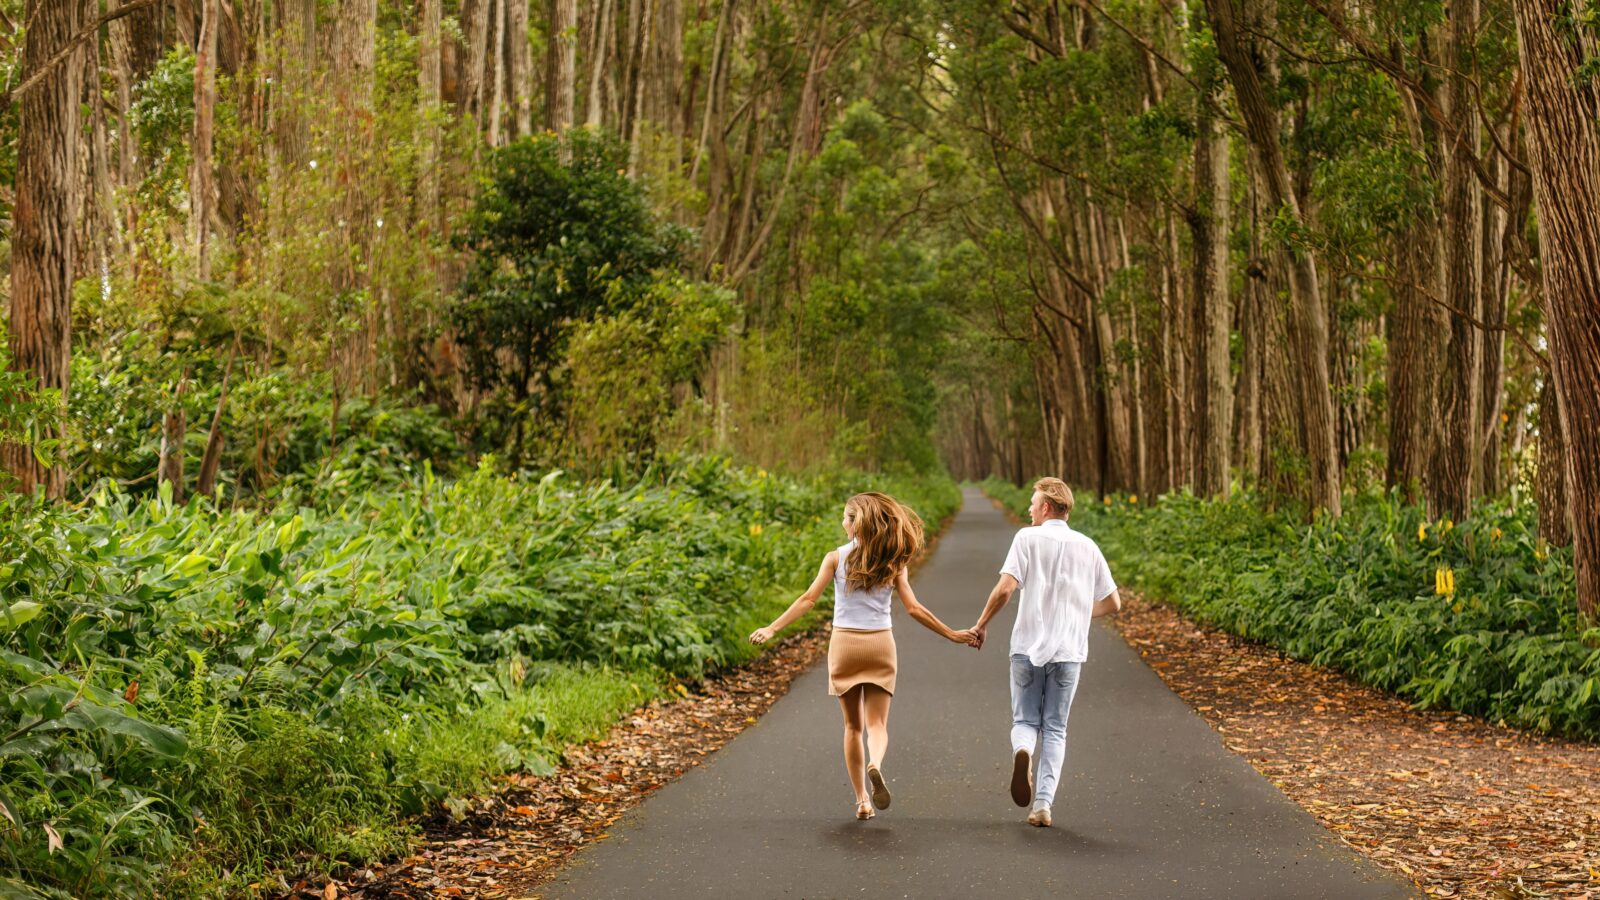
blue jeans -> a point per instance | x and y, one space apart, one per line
1040 699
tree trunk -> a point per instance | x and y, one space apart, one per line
475 35
202 189
174 427
1308 314
211 462
298 27
1456 457
44 214
605 35
1564 153
355 54
1252 328
1411 328
498 92
429 97
1212 381
1550 481
1501 231
519 65
560 101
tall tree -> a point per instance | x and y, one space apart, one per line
1564 152
560 98
429 100
1236 26
1456 458
48 191
518 69
1214 320
202 186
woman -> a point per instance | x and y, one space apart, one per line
884 536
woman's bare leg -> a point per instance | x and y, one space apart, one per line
876 701
854 763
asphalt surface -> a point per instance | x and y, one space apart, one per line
1151 804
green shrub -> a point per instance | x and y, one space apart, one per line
559 235
1360 594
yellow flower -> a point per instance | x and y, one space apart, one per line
1444 581
1108 501
1422 532
1133 498
755 530
1496 534
761 473
1446 526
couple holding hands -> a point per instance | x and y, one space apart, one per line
1067 583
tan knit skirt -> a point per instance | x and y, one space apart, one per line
861 657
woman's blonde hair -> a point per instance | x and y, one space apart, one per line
888 534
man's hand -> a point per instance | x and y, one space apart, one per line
978 632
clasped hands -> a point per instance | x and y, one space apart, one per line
972 637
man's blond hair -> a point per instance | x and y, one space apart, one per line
1057 494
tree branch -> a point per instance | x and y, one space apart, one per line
71 46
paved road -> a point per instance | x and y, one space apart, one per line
1151 803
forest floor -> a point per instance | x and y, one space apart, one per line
1462 807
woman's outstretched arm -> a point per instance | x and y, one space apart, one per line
803 603
902 587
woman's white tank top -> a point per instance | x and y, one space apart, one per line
860 610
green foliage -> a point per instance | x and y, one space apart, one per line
195 696
27 415
558 235
283 429
865 315
163 125
625 370
1361 594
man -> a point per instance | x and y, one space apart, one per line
1066 582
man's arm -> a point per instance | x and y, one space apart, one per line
1108 604
998 598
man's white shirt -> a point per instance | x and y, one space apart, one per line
1062 573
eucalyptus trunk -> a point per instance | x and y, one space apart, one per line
45 211
1209 224
561 65
202 189
1564 153
1457 455
1308 313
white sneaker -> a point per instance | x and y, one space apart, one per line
1040 815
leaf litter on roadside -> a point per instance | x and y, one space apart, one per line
1461 807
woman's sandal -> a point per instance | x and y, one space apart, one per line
864 810
880 788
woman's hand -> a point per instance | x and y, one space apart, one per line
761 635
964 636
